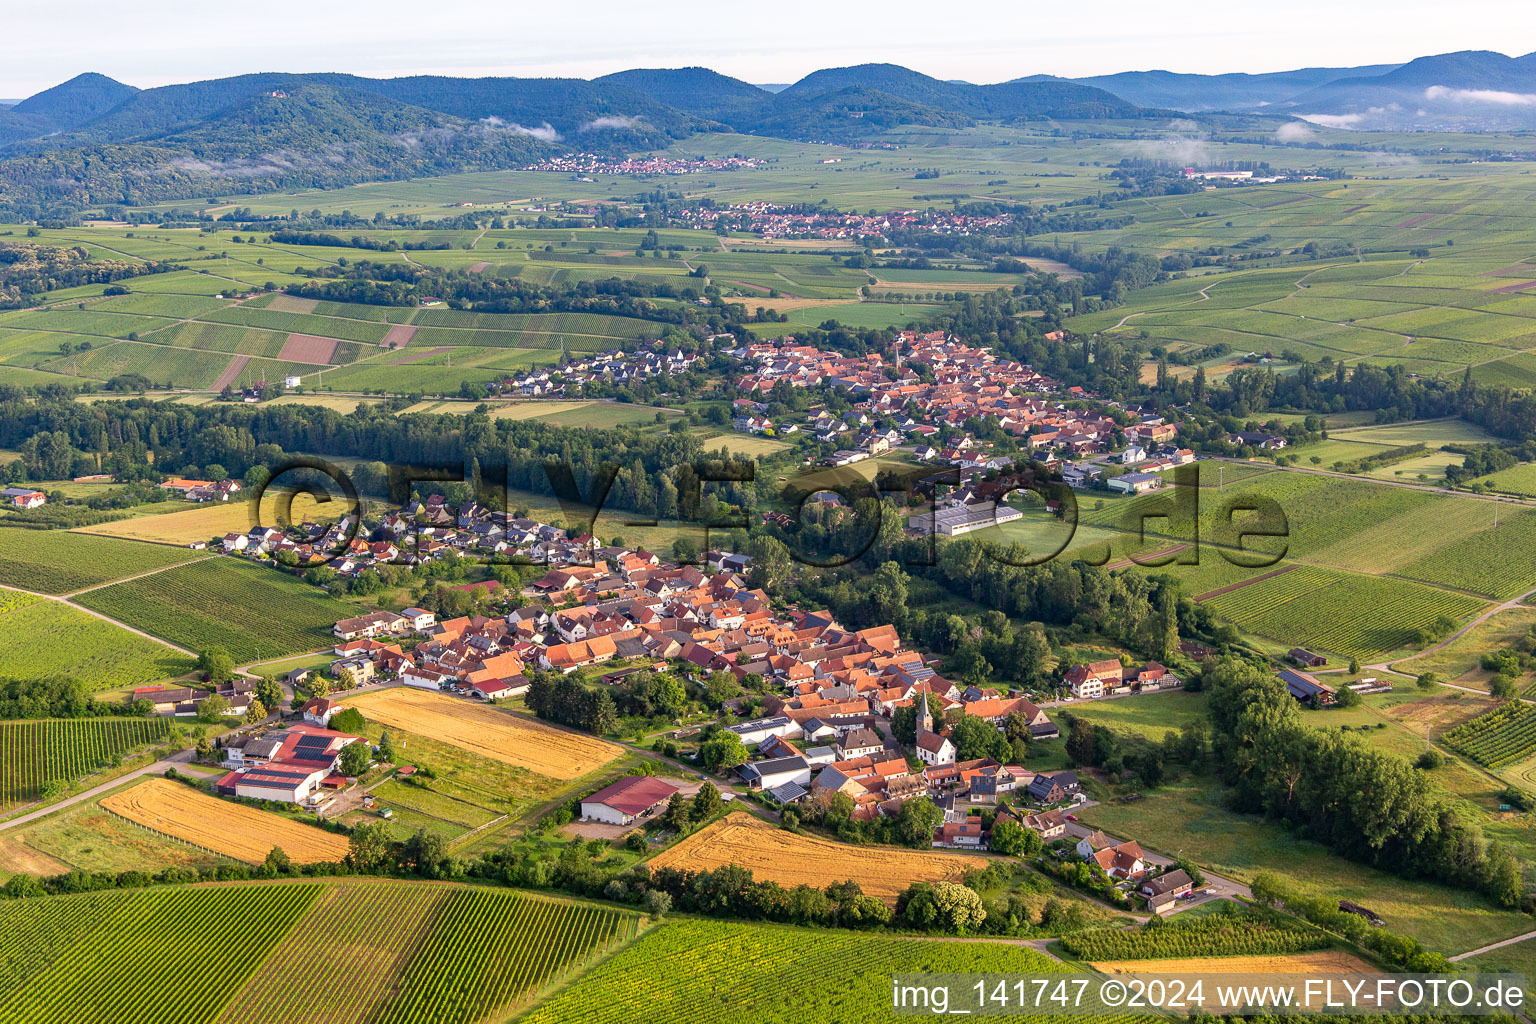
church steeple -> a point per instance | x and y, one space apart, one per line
924 716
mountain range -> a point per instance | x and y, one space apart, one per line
92 139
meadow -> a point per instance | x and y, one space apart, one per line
252 611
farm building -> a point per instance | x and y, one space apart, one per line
1136 483
627 800
1305 687
497 689
1305 658
1053 789
757 731
773 774
285 782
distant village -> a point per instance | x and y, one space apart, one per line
772 220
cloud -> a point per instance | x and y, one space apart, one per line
1495 97
1334 120
544 132
1294 131
610 121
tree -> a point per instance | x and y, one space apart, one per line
1268 890
369 848
976 737
722 751
256 712
216 664
771 562
1081 742
425 853
349 720
1008 838
678 817
270 692
277 863
916 821
1427 680
657 903
706 802
945 905
1502 687
387 752
355 758
211 708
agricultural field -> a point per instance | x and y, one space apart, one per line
222 826
1329 962
57 562
1189 818
1460 660
1501 737
772 854
497 735
252 611
180 523
713 972
75 951
1210 935
50 638
35 754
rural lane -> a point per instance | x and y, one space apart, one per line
181 757
1492 946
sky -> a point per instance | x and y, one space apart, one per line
158 42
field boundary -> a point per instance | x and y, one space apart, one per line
1231 587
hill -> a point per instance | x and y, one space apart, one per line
696 90
76 101
1475 90
1007 101
314 136
1196 93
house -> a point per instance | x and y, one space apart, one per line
1257 439
23 498
1123 861
371 625
933 748
775 773
859 743
1305 658
631 798
1050 824
1053 789
1093 679
1165 889
959 835
321 710
499 689
419 619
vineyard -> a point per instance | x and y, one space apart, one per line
712 972
250 611
34 754
490 949
56 562
353 943
1213 935
48 638
137 957
1346 613
1500 737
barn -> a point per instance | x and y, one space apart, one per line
631 798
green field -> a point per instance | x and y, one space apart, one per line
253 612
45 638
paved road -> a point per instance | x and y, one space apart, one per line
176 760
1514 602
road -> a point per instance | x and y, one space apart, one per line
1388 666
181 757
1492 946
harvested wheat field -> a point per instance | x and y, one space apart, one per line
772 854
17 858
184 523
494 734
1322 962
244 833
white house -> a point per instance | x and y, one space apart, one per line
775 773
288 783
756 731
935 749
